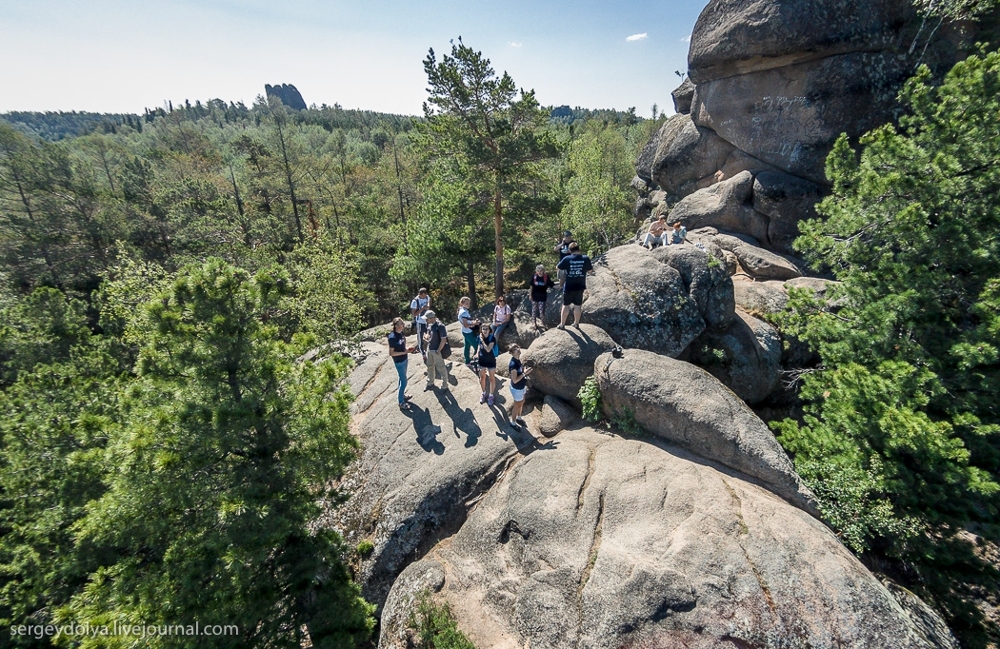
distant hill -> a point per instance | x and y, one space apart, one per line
59 125
54 126
567 115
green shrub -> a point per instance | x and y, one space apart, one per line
625 421
365 548
435 625
590 398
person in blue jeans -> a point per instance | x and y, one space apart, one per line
400 353
501 316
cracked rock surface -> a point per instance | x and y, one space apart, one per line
586 539
602 542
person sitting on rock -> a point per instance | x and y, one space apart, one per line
518 386
678 234
658 233
501 316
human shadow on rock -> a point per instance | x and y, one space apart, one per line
463 420
426 429
524 442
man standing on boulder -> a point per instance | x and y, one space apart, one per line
436 339
576 267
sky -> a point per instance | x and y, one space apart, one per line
127 55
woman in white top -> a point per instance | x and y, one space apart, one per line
468 322
501 317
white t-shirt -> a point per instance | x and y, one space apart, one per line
419 303
464 313
501 314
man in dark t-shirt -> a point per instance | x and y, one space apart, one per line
576 266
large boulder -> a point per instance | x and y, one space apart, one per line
759 263
789 117
564 359
686 405
555 416
642 302
682 96
733 38
785 200
745 357
761 299
419 471
705 279
682 157
606 543
726 205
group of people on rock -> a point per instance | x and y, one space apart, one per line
481 339
660 233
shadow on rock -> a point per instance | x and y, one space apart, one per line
426 429
463 420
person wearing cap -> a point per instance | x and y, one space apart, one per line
419 306
562 248
658 233
436 338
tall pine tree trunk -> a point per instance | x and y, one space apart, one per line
470 280
498 232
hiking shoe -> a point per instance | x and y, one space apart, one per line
561 327
490 400
515 426
577 325
404 406
482 399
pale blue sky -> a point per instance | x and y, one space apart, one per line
124 55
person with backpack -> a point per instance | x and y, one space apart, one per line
540 285
399 353
437 350
469 326
419 306
487 362
577 265
501 316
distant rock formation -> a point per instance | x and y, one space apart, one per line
288 95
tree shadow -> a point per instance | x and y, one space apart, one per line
425 428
